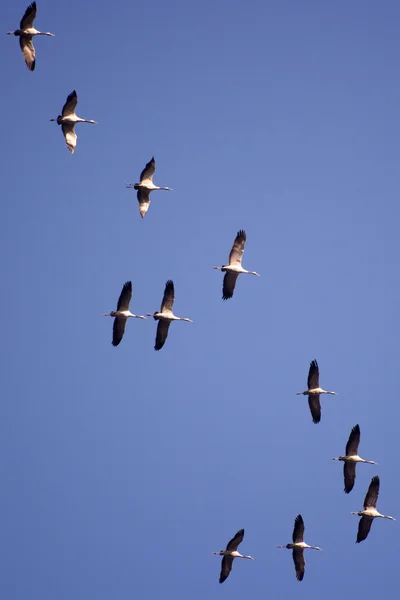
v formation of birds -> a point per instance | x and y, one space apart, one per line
165 316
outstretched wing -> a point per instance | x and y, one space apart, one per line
70 105
169 297
70 136
118 330
315 407
28 51
228 286
349 473
235 256
143 196
298 530
29 17
313 375
162 333
373 492
299 564
364 527
353 442
226 568
148 171
125 296
237 539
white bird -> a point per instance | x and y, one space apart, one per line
122 313
298 547
351 458
68 119
146 186
369 513
313 392
165 316
230 553
234 267
26 32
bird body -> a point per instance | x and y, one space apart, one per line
369 512
230 553
351 458
25 33
313 392
165 316
122 313
68 120
298 546
145 186
234 267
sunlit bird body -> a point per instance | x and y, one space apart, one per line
68 120
25 33
298 546
351 458
313 392
369 513
165 316
230 553
122 314
234 267
145 186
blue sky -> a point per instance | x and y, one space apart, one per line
122 469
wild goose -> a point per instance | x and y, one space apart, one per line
122 313
351 458
369 513
165 316
26 32
230 553
234 267
313 392
145 186
298 546
68 120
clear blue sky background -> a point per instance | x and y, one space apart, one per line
122 469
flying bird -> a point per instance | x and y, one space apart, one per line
369 513
68 120
230 553
234 267
351 458
298 547
122 313
146 186
313 392
165 316
26 32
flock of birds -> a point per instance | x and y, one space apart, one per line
165 316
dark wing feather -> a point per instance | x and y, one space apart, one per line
143 196
313 375
349 473
353 442
28 51
373 492
315 407
237 539
364 527
148 171
228 287
125 296
162 333
29 17
299 564
70 104
169 296
118 330
226 568
298 530
235 256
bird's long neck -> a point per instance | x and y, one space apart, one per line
219 268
